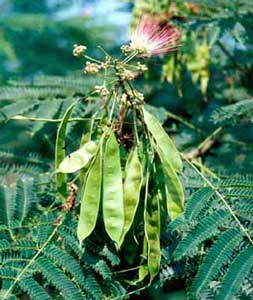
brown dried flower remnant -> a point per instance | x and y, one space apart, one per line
70 202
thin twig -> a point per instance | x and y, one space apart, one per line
24 118
204 168
130 293
181 120
126 270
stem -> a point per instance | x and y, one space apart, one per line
181 120
24 118
130 57
130 293
204 168
11 233
121 118
92 59
126 270
204 146
244 231
135 127
105 52
112 109
75 179
91 125
209 138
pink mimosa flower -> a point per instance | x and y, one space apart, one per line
151 37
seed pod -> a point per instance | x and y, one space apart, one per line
143 269
163 141
113 206
173 187
90 200
78 159
60 151
152 234
132 188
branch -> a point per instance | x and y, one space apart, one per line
205 146
24 118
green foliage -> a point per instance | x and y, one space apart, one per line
40 255
225 260
197 203
216 257
239 269
52 252
238 112
48 40
206 84
34 109
205 229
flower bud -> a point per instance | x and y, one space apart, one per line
128 75
92 68
123 98
125 49
79 50
102 90
141 67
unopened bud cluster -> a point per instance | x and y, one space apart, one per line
126 49
132 97
123 71
101 90
141 67
124 98
92 68
79 50
137 95
127 75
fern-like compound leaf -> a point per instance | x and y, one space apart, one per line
197 202
46 113
234 112
236 274
205 229
93 288
56 277
33 289
66 261
109 255
216 257
239 193
26 196
245 211
70 241
16 108
102 268
236 182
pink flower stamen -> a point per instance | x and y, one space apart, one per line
151 37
